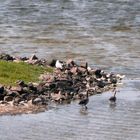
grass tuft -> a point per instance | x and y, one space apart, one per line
10 72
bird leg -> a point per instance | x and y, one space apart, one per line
86 107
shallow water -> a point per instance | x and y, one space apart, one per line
106 34
102 121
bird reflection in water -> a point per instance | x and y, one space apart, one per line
83 111
112 106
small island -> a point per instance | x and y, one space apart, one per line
28 85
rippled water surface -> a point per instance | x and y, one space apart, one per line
105 33
101 121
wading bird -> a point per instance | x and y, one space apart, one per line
84 101
113 98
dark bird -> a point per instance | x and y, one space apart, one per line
84 101
101 84
99 73
113 98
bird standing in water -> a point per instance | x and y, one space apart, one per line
84 101
113 98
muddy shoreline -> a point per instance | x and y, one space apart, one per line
69 81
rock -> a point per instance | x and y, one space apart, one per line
82 69
39 101
24 58
21 83
70 63
41 89
30 96
113 80
12 93
120 77
17 100
1 97
4 103
33 57
36 100
16 88
101 84
8 98
84 65
33 62
63 84
45 77
24 96
23 103
98 91
52 86
20 59
43 62
52 63
57 96
6 57
74 70
32 87
25 89
1 89
17 61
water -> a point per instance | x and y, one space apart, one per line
101 121
106 34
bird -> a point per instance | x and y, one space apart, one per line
59 64
99 73
113 98
84 101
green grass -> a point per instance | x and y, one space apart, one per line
10 72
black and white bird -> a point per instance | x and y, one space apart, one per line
113 98
99 73
84 101
57 63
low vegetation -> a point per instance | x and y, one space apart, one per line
10 72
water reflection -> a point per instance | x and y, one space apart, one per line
83 111
113 106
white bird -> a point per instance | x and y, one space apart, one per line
59 64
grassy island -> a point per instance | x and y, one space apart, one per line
10 72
